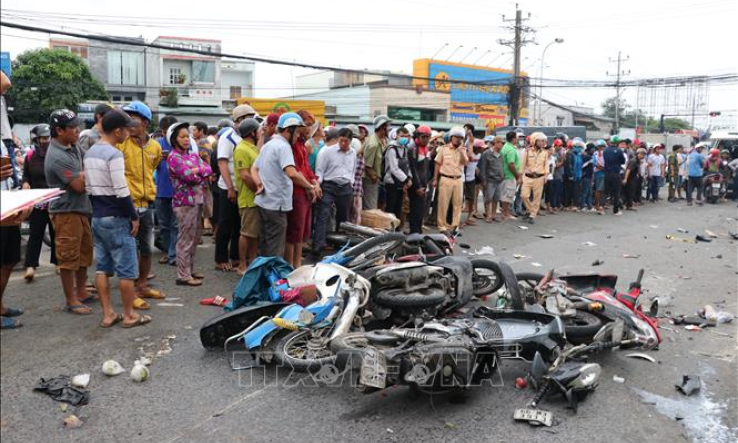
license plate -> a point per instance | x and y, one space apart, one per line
535 417
716 186
373 369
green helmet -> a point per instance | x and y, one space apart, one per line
615 139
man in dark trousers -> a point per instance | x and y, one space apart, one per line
614 160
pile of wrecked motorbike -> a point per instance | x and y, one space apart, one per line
402 310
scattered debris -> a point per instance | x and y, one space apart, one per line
702 238
536 264
710 233
682 231
618 379
486 250
654 226
520 383
534 417
390 430
589 243
167 304
631 256
689 385
684 277
710 314
734 235
81 380
598 262
694 321
719 256
692 328
546 236
450 425
524 228
464 246
72 422
60 389
520 256
139 372
681 239
642 356
112 368
146 361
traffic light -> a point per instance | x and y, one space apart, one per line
714 114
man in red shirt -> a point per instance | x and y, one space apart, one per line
298 220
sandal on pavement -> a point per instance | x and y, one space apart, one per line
78 309
198 276
89 287
139 303
152 293
140 321
90 298
190 282
164 260
225 267
215 301
118 318
12 312
10 323
151 276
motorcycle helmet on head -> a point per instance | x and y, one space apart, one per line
381 120
140 108
423 130
557 143
174 130
562 136
456 131
600 142
714 152
289 120
248 126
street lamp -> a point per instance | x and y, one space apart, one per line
540 78
439 51
455 50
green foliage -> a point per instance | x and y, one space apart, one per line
45 80
169 97
629 117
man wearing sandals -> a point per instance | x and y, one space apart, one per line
71 211
115 221
142 155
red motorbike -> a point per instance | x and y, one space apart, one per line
592 308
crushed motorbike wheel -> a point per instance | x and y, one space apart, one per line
487 277
370 250
582 327
348 349
305 350
512 289
398 298
527 281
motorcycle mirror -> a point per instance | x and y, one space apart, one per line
464 246
538 368
333 280
653 311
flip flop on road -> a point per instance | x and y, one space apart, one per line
10 323
78 309
139 303
140 321
89 287
214 301
12 312
198 275
164 260
118 318
152 293
224 267
90 298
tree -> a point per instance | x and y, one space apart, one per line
631 118
45 80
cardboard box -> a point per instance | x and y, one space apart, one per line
377 219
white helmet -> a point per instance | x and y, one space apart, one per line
410 128
393 134
457 131
173 130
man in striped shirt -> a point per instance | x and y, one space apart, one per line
114 219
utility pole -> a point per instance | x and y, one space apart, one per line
618 74
516 44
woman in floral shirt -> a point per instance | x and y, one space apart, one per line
188 173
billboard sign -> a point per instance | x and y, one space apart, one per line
5 63
483 95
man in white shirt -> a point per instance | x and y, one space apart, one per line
656 172
336 171
229 224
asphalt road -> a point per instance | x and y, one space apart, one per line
193 395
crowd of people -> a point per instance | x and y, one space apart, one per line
271 186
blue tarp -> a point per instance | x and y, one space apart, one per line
254 285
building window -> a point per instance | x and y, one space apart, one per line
126 68
80 51
236 92
559 120
175 76
203 72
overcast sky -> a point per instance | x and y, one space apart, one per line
661 38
